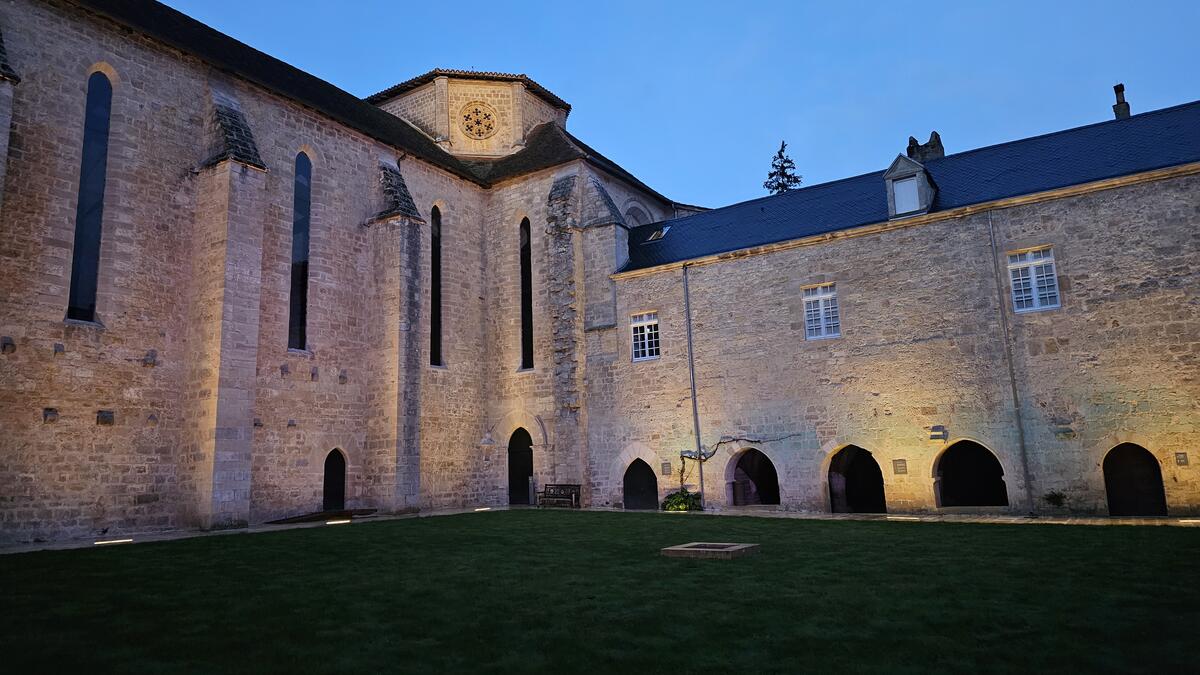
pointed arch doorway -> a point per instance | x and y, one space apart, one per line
641 487
520 466
334 493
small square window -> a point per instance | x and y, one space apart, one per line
1034 280
904 194
822 319
644 330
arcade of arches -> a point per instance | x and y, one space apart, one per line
966 474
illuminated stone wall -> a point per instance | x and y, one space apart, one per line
922 346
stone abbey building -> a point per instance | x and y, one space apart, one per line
232 293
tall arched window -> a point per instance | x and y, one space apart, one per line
85 257
301 208
526 297
435 287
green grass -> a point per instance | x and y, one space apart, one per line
530 591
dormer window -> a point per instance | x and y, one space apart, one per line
910 190
905 191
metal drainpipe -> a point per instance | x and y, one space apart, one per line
1012 374
687 313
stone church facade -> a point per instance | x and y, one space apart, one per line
234 293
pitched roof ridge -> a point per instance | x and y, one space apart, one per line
789 193
1049 134
426 77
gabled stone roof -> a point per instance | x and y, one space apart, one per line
420 80
397 200
236 140
547 145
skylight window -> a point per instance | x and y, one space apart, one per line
658 234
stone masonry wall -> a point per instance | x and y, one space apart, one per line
160 463
922 345
62 474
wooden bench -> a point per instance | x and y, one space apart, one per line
559 495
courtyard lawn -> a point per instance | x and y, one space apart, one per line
578 592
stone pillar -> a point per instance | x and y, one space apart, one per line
518 115
564 272
393 428
223 343
441 111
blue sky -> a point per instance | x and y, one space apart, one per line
694 97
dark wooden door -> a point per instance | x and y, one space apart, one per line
641 486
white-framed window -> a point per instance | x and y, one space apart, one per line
821 316
644 329
904 193
1034 280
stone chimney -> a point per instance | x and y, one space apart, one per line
923 152
1120 108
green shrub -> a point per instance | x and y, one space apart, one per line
682 501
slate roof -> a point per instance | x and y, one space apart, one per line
420 80
1152 140
549 145
229 55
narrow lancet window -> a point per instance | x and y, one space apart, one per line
435 288
301 207
526 297
85 257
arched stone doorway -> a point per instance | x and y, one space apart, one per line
754 480
334 494
520 466
641 487
1133 482
855 482
968 474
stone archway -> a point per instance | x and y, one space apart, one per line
520 466
1133 482
755 480
968 474
855 482
640 487
334 492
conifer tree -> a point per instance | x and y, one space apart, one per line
783 175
